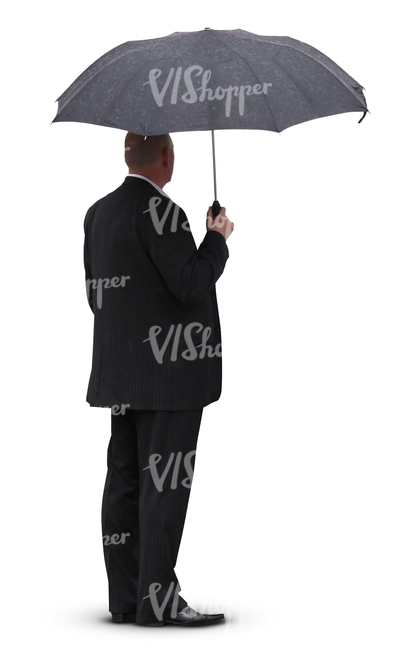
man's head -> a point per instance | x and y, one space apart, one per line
152 157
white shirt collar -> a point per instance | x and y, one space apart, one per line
159 189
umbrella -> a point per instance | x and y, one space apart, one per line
208 80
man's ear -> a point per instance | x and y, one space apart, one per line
166 156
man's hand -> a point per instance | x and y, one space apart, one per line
220 223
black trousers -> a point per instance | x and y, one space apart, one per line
151 455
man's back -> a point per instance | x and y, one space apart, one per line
157 339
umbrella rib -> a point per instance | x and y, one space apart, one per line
322 59
324 65
88 75
317 60
254 74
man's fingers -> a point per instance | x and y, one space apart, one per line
209 213
220 223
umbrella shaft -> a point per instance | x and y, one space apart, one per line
213 164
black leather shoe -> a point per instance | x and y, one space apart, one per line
188 617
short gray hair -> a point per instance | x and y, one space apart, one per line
141 151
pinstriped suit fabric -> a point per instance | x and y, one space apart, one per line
170 285
152 518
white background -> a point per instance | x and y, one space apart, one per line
301 523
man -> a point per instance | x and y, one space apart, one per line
156 363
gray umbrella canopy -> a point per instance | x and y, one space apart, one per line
210 79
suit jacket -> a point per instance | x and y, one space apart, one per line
157 336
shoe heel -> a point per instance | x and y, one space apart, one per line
123 618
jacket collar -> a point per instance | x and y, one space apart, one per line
144 183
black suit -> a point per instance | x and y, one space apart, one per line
157 363
171 283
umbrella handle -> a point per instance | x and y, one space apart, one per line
216 208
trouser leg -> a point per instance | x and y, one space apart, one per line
150 460
120 524
166 443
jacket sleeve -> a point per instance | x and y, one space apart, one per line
188 272
88 275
